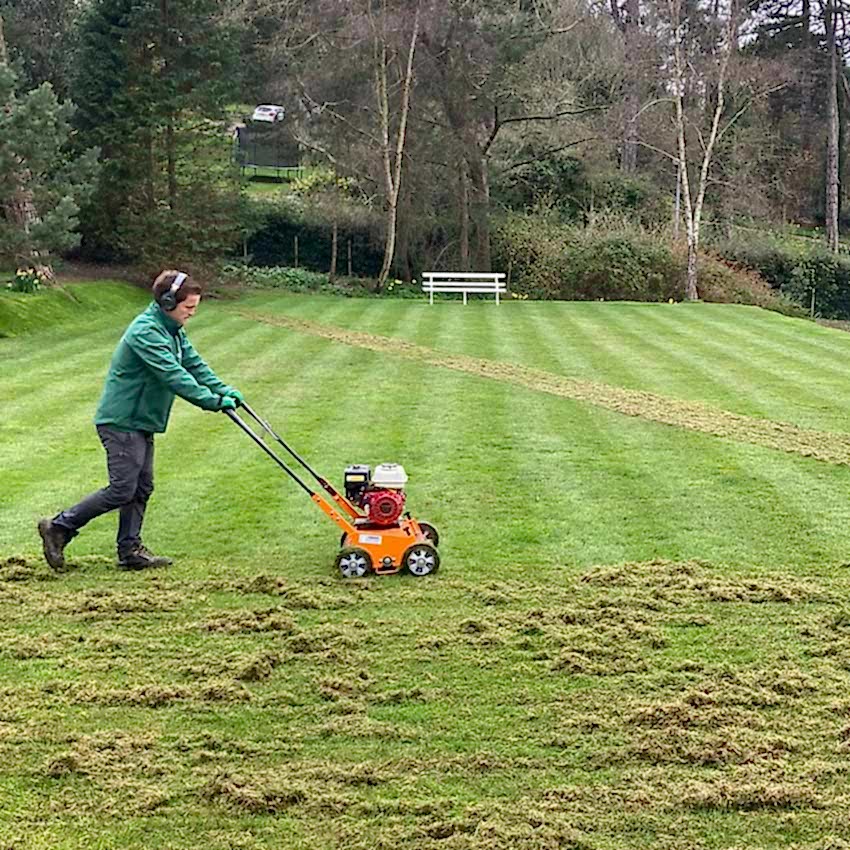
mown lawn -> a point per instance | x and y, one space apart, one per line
639 637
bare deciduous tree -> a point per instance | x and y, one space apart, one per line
392 150
704 63
627 19
829 13
357 123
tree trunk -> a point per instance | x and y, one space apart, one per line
809 66
693 205
171 163
460 114
389 245
691 291
170 154
832 177
480 209
631 101
392 159
4 56
463 196
403 237
146 182
334 241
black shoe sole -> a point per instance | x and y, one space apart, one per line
134 566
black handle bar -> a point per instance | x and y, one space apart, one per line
261 443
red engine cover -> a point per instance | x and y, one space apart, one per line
384 507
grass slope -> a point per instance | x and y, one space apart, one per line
53 308
639 637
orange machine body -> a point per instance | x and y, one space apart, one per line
386 545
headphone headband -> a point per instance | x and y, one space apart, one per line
168 299
178 282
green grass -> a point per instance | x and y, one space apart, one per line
49 309
268 183
638 639
266 189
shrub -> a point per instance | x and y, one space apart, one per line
563 184
276 277
773 260
634 195
317 179
620 266
533 248
615 258
725 283
403 288
557 182
292 279
797 270
612 260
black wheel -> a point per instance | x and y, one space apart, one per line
431 533
353 562
421 559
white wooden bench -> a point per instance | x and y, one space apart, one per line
489 283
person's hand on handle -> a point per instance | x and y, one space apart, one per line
233 393
227 403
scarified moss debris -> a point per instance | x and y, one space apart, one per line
826 446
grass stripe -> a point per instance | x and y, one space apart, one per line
826 446
768 364
702 369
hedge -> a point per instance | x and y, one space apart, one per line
273 243
614 260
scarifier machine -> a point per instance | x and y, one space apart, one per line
378 535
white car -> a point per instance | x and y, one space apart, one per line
268 112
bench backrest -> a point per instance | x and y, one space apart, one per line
463 281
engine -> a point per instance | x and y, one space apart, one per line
379 494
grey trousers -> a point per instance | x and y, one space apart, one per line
129 462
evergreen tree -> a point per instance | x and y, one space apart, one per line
40 35
41 183
153 81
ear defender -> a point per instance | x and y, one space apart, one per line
168 299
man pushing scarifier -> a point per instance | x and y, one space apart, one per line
154 361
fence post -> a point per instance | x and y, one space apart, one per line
296 251
349 259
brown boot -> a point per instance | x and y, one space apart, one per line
141 558
54 539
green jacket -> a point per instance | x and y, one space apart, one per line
155 361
